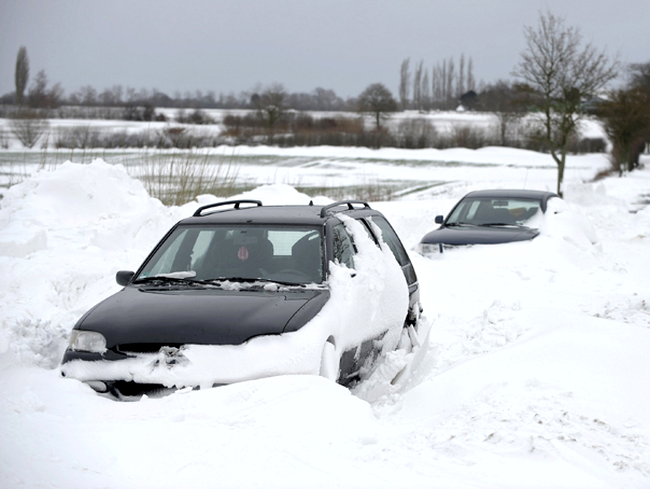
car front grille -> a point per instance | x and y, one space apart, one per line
144 347
132 391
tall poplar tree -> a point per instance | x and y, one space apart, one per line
22 74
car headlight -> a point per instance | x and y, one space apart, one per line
429 248
87 341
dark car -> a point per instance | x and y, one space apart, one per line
241 291
488 217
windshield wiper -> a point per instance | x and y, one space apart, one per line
488 224
281 282
250 280
159 278
162 279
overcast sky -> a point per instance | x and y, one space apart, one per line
232 45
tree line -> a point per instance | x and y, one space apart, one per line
559 80
441 91
41 95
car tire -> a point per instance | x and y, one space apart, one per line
329 362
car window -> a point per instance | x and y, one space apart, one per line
284 240
472 207
343 248
200 246
464 212
167 254
364 225
392 240
486 210
282 253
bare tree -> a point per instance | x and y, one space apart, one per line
42 96
28 126
471 83
461 75
22 74
444 93
271 105
404 83
639 74
377 100
417 87
425 92
562 73
447 86
436 87
111 96
452 95
88 95
325 99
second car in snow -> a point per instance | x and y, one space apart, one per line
489 217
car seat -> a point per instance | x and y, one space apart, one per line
244 258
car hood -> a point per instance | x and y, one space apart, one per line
468 234
138 315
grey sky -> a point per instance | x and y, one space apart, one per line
344 45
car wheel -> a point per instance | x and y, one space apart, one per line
329 362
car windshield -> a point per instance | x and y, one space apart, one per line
285 254
486 211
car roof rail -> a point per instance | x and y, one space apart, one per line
350 203
236 204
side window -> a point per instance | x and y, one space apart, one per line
343 248
391 239
365 225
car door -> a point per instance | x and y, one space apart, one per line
369 284
394 243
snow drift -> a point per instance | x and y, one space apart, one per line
534 373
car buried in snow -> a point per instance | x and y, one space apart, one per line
488 217
243 291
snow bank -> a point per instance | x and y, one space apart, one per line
64 235
533 374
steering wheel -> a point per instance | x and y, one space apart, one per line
291 275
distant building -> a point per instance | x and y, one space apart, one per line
468 100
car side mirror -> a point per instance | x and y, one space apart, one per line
440 219
123 277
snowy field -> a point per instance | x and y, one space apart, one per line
535 371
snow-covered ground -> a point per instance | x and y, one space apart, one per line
535 372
